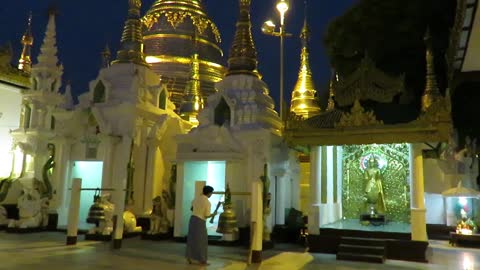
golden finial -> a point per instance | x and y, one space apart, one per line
431 93
134 7
25 62
243 55
131 47
192 102
331 91
303 95
305 34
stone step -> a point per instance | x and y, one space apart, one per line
360 257
360 249
362 241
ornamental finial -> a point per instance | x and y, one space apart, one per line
131 47
243 55
25 62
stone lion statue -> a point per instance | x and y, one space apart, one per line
158 217
31 210
130 223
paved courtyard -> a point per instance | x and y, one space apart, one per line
46 251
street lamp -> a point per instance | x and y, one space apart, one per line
268 28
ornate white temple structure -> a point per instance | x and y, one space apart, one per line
239 134
156 124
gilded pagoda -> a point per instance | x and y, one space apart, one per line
175 30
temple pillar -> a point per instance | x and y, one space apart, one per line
338 158
33 115
119 184
330 178
323 187
62 159
417 209
177 228
108 143
73 212
257 222
140 162
150 193
294 185
315 170
282 183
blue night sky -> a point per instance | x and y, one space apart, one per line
84 27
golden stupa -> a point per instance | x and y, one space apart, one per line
170 30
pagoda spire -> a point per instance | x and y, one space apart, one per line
131 44
331 91
192 101
106 57
47 73
68 96
25 62
431 93
243 54
303 95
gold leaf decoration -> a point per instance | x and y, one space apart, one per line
200 23
176 18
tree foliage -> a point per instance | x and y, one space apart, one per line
392 34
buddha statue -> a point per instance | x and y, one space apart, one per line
465 225
374 195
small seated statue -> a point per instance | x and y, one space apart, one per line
130 223
31 210
104 225
158 217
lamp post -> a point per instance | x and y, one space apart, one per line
268 28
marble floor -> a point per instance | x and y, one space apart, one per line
46 251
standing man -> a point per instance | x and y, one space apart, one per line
197 239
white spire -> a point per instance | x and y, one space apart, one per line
68 97
46 74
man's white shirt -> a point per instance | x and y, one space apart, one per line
201 207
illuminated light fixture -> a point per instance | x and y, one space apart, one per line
282 6
268 27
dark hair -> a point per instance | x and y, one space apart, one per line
207 190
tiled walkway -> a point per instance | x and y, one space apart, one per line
47 251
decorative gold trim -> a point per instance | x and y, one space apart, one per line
176 5
177 17
153 59
358 117
187 37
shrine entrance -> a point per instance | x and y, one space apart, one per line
213 172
